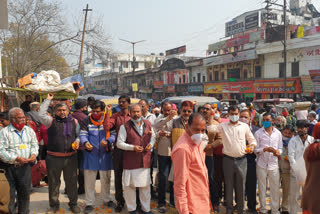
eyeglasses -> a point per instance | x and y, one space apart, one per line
20 118
184 111
207 109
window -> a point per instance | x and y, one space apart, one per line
124 64
194 79
203 78
216 75
199 77
135 65
295 69
184 78
281 70
180 80
222 75
234 73
210 76
257 71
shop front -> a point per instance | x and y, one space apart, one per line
270 89
157 90
218 90
169 90
181 90
145 93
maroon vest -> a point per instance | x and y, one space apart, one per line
132 159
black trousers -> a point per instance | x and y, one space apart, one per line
117 157
251 182
19 179
80 171
69 166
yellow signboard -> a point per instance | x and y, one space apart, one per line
134 86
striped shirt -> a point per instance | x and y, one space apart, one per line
14 143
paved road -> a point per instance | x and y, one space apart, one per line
40 204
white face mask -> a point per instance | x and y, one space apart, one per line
216 116
197 138
234 118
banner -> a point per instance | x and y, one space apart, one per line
158 84
179 50
276 86
195 88
169 89
315 77
216 88
134 86
307 84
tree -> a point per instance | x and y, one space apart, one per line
39 38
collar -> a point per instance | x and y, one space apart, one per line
148 114
122 114
237 124
273 130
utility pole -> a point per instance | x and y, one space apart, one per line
133 61
285 47
284 42
83 33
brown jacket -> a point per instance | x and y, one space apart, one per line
214 141
310 192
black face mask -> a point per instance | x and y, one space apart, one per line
85 112
157 114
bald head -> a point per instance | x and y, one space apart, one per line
196 124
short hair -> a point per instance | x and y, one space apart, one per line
187 103
13 111
90 99
193 116
4 115
59 105
166 103
200 108
146 101
126 97
98 104
28 95
268 113
206 104
50 110
288 127
80 103
233 108
313 107
245 110
302 124
313 114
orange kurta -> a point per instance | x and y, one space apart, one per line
191 185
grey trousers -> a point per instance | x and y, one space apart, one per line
235 172
69 166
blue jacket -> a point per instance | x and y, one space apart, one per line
98 158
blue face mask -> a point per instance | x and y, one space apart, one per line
136 121
266 124
285 140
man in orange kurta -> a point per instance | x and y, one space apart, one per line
191 185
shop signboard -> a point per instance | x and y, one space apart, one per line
215 88
241 87
134 86
178 50
242 23
158 84
181 88
315 77
276 86
195 88
230 58
169 89
307 84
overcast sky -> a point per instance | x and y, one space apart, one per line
165 24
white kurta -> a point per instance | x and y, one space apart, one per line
134 177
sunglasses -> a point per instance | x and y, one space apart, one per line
184 111
207 109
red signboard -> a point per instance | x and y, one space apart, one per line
169 89
237 41
158 84
276 86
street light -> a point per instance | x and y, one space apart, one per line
133 60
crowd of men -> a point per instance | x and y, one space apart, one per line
206 157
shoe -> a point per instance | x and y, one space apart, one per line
88 209
53 210
75 209
162 209
252 211
110 204
172 205
285 212
133 212
118 208
147 212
